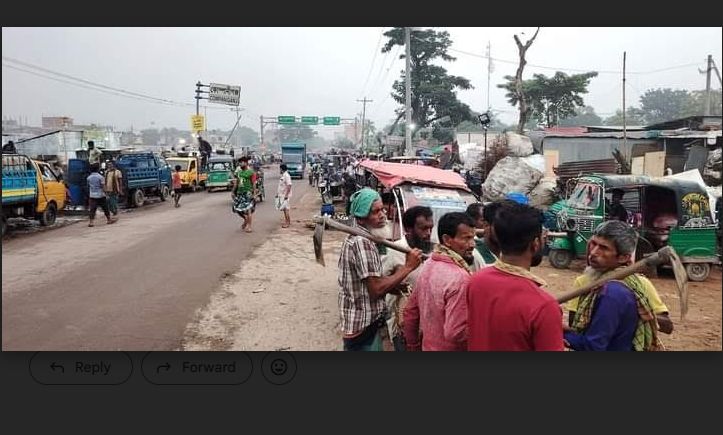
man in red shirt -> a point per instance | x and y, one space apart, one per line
507 306
437 309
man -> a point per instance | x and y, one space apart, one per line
283 195
205 148
617 210
113 186
97 195
487 245
417 223
661 311
362 286
508 308
10 148
94 154
618 316
436 317
244 192
349 187
474 211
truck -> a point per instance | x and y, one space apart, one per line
144 174
31 190
193 176
294 156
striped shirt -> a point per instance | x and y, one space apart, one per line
359 259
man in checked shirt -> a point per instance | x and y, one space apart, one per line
362 284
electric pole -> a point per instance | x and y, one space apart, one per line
364 112
625 132
261 124
707 85
408 91
489 72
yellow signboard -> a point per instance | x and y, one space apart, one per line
198 123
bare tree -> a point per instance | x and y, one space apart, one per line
523 106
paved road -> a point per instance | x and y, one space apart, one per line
134 285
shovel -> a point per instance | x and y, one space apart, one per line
664 255
322 222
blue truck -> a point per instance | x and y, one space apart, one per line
294 156
144 174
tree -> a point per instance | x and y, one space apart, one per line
245 136
344 143
633 116
520 98
151 137
660 105
293 133
551 98
433 90
696 103
584 116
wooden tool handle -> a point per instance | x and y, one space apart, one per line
357 232
662 256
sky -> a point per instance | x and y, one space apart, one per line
317 71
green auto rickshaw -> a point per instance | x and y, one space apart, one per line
220 172
664 211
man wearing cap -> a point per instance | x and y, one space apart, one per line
362 286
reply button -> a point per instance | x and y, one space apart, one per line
81 368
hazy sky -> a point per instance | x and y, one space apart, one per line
317 71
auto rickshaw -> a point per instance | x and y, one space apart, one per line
403 186
220 172
663 211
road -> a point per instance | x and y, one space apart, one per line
134 285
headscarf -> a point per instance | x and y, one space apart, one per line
362 200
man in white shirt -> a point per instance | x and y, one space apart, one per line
283 195
418 222
94 153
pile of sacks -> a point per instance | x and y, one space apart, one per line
713 167
521 171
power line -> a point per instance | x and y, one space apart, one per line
371 66
87 84
482 56
68 76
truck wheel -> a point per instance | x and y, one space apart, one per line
47 218
560 258
697 271
138 198
164 192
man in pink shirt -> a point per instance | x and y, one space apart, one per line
436 316
508 307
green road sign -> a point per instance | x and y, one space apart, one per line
310 120
286 119
332 120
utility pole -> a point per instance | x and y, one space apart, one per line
408 91
364 113
489 72
261 124
625 132
707 85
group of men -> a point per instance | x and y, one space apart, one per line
104 191
479 293
245 191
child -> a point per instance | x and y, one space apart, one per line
177 186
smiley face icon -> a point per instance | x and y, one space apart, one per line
278 367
